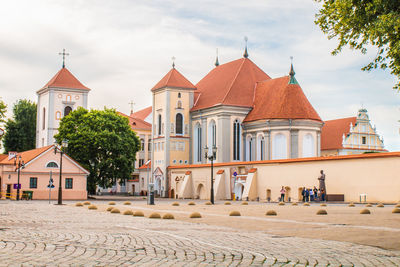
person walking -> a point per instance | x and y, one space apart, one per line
283 191
311 194
307 195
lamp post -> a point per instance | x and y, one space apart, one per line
18 163
211 157
64 144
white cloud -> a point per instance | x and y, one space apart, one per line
120 49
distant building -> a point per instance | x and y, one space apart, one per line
354 135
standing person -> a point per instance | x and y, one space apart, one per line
303 193
307 195
316 194
322 194
321 180
311 195
283 191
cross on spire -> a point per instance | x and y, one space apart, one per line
173 62
63 54
131 104
246 55
216 60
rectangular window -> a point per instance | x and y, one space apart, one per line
68 183
364 140
141 162
33 182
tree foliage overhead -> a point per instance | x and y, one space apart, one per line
359 23
102 142
21 129
3 110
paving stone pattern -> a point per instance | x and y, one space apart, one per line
38 234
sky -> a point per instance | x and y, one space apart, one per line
121 49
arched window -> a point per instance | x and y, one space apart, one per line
141 144
249 148
67 110
159 124
260 147
197 143
308 146
279 148
44 119
179 123
236 140
58 115
52 164
68 98
179 95
212 134
149 145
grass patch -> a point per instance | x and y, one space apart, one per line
168 216
109 208
128 212
138 213
281 203
79 204
195 215
396 210
86 203
115 210
111 203
191 203
155 215
92 207
234 213
365 211
175 204
127 203
271 213
227 203
322 212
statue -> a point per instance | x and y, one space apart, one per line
322 187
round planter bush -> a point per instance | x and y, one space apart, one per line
365 211
127 203
396 210
271 213
109 208
322 212
128 212
245 203
352 205
175 204
195 215
380 205
155 215
234 213
191 203
114 210
111 203
281 203
368 205
86 203
227 203
323 205
208 203
78 204
168 216
306 204
138 213
92 207
294 204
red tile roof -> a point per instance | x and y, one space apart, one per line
174 79
332 132
65 79
277 99
3 156
27 156
144 166
143 113
136 123
231 84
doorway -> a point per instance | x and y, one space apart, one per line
8 195
133 189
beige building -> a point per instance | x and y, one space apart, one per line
353 135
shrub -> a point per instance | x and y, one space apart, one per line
109 208
92 207
127 203
79 204
208 203
380 205
227 203
111 203
397 206
195 215
306 204
138 213
191 203
115 210
396 210
323 205
128 212
281 203
294 204
368 205
234 213
352 205
322 212
365 211
168 216
245 203
271 213
175 204
155 215
87 203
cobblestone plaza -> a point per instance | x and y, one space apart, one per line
37 234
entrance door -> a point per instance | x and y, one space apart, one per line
8 196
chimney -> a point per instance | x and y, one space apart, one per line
12 154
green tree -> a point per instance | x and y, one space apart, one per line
360 23
21 129
3 110
102 142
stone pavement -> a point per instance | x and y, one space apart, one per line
37 234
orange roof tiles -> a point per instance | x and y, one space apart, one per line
136 123
333 130
143 113
27 156
174 79
144 166
232 83
65 79
277 99
3 156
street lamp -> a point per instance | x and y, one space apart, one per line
18 163
211 157
64 144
